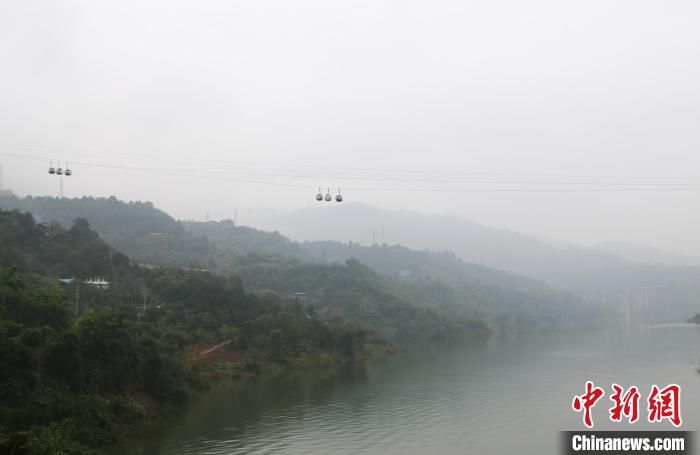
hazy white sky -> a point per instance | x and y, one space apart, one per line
365 95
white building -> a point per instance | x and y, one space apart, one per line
99 283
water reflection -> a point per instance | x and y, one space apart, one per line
509 395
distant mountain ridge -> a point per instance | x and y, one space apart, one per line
565 267
150 235
268 260
643 254
138 228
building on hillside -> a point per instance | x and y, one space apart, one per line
99 283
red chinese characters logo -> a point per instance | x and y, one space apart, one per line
586 402
626 404
663 404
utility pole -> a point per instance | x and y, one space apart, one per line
60 188
206 254
142 312
77 296
374 235
145 296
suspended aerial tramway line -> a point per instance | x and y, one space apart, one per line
68 172
427 182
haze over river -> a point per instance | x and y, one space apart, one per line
510 395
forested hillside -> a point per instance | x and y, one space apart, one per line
562 266
241 240
392 260
80 376
438 281
151 236
504 299
138 229
356 292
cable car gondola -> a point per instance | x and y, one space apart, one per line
68 171
328 197
52 170
59 171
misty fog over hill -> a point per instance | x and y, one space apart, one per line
558 265
644 254
368 227
269 261
566 267
661 293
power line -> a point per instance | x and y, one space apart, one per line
210 173
62 151
542 186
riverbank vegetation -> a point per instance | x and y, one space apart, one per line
85 365
75 380
436 282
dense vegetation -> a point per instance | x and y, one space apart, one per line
151 236
439 284
76 380
242 240
505 300
356 292
70 382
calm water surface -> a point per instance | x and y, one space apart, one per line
509 395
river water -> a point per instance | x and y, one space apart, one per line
509 395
